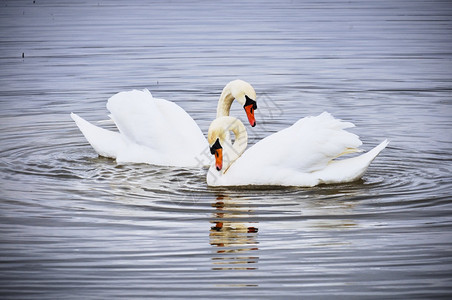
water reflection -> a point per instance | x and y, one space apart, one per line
233 236
323 215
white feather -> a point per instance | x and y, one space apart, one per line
156 131
151 130
300 155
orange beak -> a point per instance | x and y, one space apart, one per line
249 109
219 159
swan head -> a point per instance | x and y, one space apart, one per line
245 94
217 137
220 144
217 150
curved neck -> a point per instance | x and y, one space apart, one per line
233 151
225 102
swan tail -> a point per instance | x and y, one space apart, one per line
376 150
351 169
105 142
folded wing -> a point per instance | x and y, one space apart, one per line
307 146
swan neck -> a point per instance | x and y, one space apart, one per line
225 102
238 147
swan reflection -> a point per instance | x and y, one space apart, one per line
233 236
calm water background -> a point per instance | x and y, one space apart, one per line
74 225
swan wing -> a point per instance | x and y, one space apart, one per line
158 127
306 146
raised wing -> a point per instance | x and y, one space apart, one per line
307 146
158 124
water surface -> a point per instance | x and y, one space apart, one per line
75 225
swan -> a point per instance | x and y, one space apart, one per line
157 131
300 155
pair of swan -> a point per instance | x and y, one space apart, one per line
157 131
160 132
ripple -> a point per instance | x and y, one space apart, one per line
395 182
409 180
73 223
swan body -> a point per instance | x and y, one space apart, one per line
303 154
157 131
151 130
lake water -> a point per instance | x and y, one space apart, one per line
77 226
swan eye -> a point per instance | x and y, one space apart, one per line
250 101
215 147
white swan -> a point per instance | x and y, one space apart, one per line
157 131
300 155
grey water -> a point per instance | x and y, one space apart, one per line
77 226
